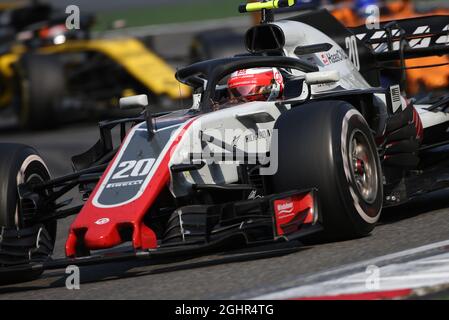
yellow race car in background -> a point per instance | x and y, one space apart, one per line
46 69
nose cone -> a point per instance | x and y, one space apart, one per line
102 236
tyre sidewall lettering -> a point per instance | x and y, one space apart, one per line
32 166
368 212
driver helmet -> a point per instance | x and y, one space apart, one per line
256 84
54 35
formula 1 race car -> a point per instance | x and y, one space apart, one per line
293 139
46 68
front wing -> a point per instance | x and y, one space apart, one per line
276 218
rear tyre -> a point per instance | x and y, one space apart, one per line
328 145
21 164
42 85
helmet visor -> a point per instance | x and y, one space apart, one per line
251 92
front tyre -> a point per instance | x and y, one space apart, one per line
22 241
328 145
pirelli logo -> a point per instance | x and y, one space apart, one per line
124 184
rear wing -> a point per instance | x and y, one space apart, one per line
407 38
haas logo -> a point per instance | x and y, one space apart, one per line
102 221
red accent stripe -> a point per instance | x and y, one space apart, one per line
418 124
131 214
378 295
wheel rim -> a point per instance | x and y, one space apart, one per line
363 166
29 178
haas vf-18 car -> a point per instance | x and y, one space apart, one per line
320 160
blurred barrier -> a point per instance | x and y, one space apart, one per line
177 28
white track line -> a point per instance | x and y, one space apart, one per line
354 278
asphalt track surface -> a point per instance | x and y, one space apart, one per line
214 277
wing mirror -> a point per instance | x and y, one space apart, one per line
139 102
321 77
134 102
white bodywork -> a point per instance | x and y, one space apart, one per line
215 124
218 125
300 34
